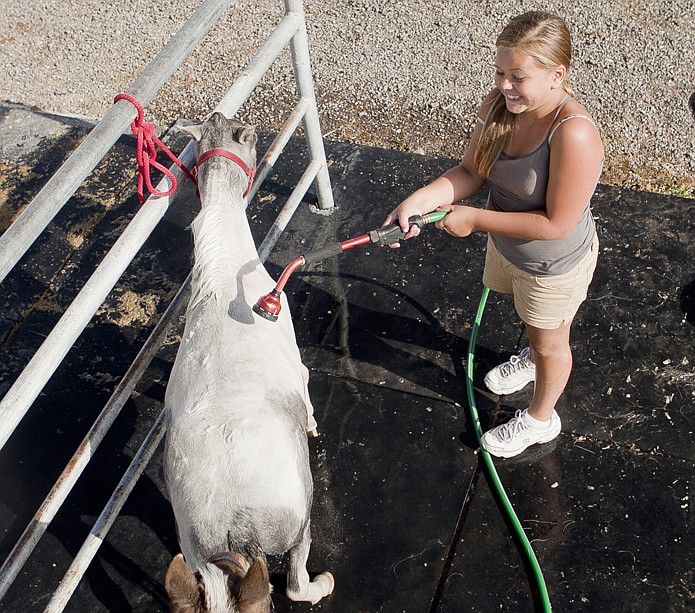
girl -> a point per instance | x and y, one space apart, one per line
542 155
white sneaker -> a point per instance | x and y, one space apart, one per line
517 434
513 375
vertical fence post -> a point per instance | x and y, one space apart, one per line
299 46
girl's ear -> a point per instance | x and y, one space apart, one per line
559 73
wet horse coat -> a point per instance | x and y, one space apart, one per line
238 409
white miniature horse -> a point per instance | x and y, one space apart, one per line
236 459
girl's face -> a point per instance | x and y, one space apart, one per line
526 86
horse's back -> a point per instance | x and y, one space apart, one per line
227 470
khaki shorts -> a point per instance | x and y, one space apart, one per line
542 301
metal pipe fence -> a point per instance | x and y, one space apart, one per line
38 214
64 183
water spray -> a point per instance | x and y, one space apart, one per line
268 306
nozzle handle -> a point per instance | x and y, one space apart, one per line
323 253
392 233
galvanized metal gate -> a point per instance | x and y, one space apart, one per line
38 214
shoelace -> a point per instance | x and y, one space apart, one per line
516 362
509 430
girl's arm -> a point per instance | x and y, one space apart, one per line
455 184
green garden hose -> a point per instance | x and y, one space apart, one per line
499 490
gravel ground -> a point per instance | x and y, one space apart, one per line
406 75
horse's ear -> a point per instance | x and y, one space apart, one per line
246 135
182 586
194 130
255 586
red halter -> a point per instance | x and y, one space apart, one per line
250 172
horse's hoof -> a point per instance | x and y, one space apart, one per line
322 585
313 433
327 579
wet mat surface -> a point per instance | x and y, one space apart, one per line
403 514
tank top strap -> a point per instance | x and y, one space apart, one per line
554 126
559 109
564 119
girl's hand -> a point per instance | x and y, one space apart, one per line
460 220
400 215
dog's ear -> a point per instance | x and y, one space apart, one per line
182 586
194 130
255 586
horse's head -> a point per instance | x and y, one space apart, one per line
227 584
221 142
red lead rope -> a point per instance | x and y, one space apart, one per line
146 153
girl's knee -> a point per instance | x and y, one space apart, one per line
553 348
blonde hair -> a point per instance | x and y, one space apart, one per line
543 37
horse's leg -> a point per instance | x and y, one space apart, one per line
298 585
311 425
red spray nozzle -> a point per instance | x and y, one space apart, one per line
268 306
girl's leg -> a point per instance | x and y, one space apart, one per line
550 351
552 355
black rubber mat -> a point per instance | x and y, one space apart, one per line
404 515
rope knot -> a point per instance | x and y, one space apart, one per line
146 153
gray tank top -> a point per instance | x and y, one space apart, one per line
520 184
